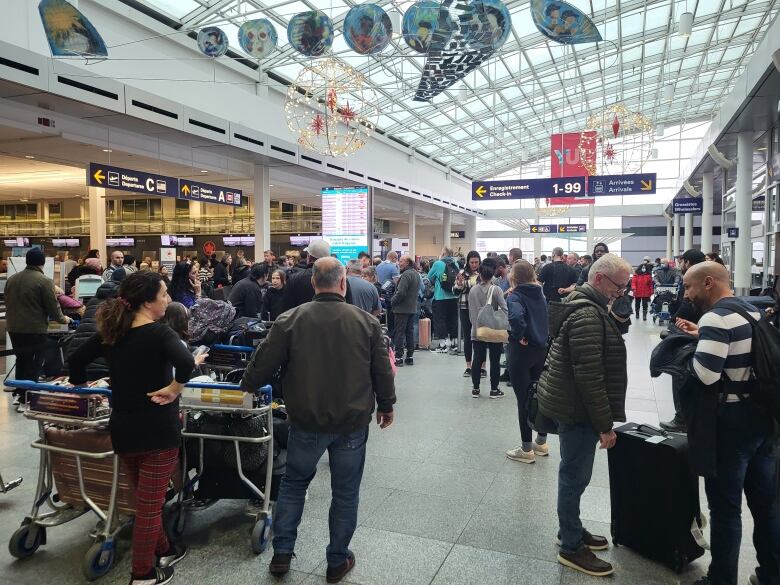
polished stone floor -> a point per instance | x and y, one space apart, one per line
440 503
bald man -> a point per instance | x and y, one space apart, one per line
743 455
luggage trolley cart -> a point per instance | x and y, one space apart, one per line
212 399
66 473
227 362
664 296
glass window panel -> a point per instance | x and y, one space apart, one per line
177 8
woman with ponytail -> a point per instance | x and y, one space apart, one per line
141 353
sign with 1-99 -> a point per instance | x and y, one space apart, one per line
572 187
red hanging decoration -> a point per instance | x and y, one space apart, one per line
318 124
615 126
332 100
610 153
347 113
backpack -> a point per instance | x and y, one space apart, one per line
246 331
450 274
764 363
428 289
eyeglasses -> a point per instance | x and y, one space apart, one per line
620 288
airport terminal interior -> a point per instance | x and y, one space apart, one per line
177 134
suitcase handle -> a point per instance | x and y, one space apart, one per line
233 348
653 431
263 390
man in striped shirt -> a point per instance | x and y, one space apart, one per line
744 454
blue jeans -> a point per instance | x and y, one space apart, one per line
744 462
578 450
347 455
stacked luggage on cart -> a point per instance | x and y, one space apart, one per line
663 305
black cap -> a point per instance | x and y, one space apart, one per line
693 256
35 257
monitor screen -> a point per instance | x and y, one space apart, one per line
300 240
65 242
87 287
120 242
186 241
20 242
168 240
239 240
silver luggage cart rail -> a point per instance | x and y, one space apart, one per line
186 502
31 535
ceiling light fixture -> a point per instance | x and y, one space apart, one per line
686 24
29 156
204 171
107 150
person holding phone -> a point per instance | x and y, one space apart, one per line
185 284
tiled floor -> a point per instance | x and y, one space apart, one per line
439 504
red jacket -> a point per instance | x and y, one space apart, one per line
642 285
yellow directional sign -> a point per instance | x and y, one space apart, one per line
99 176
561 229
534 229
480 191
185 188
646 185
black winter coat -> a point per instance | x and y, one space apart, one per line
585 379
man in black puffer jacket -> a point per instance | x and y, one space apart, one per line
88 326
584 391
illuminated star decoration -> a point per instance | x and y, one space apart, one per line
348 114
318 124
610 152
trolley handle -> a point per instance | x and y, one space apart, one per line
233 348
264 391
30 385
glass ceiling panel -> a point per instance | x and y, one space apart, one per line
542 88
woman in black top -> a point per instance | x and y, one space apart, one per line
145 427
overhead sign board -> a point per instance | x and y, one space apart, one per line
129 180
687 205
207 193
572 228
732 232
527 188
759 203
459 234
546 228
641 184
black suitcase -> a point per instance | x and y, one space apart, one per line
654 495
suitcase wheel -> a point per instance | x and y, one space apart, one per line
26 540
261 534
98 560
175 521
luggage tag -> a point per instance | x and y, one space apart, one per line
655 440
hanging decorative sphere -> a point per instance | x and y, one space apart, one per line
489 26
421 21
310 33
367 29
616 141
212 41
258 38
331 108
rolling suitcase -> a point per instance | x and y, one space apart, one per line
425 333
654 496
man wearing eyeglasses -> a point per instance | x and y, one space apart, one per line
584 392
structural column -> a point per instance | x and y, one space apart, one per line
412 228
591 233
688 239
446 228
262 205
669 236
471 232
97 221
706 212
742 247
676 236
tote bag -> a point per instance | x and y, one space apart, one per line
492 322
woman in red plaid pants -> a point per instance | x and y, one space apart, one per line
145 427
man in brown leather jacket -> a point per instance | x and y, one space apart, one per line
335 369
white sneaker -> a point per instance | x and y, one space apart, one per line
541 450
441 349
517 454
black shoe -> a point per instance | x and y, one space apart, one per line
157 576
280 564
482 374
592 541
585 561
336 574
409 361
399 362
496 393
176 553
467 373
504 377
475 393
674 426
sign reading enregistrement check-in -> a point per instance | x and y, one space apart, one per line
110 177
